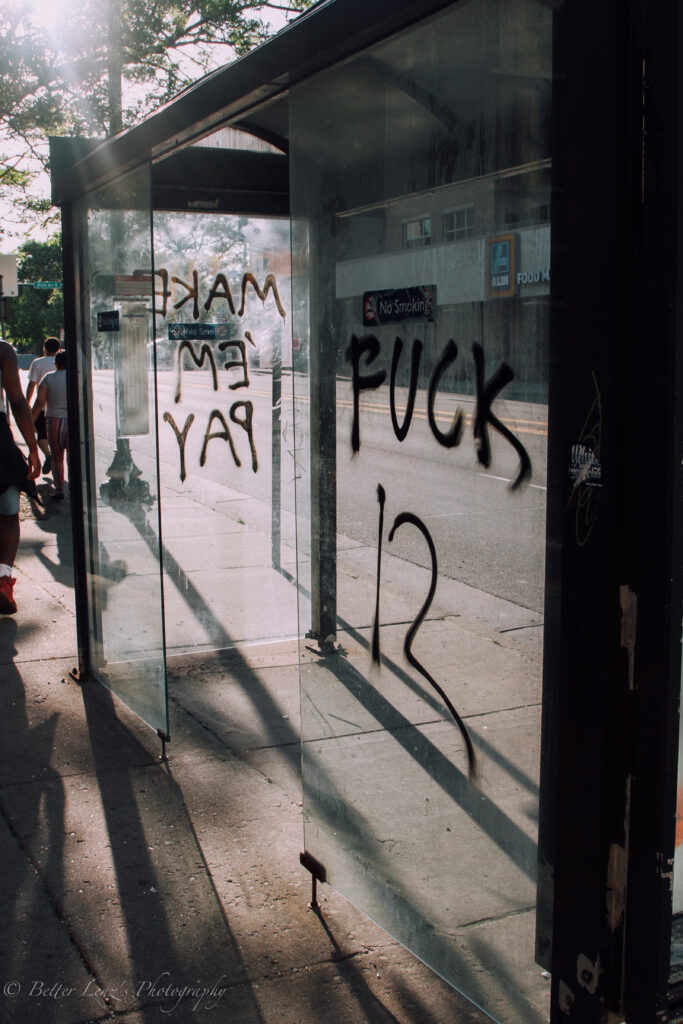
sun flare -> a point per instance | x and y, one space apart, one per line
47 13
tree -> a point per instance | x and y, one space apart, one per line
36 313
101 65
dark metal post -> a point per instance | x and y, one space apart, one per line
72 296
323 439
587 729
276 458
656 406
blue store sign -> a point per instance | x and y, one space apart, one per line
501 259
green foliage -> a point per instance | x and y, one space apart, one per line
104 65
40 261
36 313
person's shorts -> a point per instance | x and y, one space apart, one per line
41 426
9 502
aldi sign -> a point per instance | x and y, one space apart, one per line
501 260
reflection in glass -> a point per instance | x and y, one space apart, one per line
119 467
224 372
423 465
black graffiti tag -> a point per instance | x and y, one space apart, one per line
363 354
413 520
484 415
454 435
362 382
225 434
205 353
401 430
219 289
240 413
181 438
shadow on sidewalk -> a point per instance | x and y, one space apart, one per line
329 805
53 518
177 936
30 913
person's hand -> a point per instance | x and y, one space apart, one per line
33 464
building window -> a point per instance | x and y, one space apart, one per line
458 224
417 233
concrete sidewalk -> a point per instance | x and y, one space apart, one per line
139 891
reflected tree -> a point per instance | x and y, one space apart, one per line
93 67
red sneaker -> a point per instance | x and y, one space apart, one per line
7 603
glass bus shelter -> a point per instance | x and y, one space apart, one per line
375 347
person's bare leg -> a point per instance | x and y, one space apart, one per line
9 539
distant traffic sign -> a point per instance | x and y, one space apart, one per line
47 284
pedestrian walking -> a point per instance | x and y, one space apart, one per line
52 399
36 371
15 474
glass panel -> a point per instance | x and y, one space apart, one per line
119 465
223 350
421 430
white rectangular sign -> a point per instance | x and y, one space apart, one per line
8 269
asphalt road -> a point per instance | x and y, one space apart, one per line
486 534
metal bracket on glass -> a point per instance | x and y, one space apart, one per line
80 677
164 740
325 647
318 874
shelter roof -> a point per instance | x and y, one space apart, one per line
250 94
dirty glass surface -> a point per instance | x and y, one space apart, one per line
117 406
420 179
223 355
